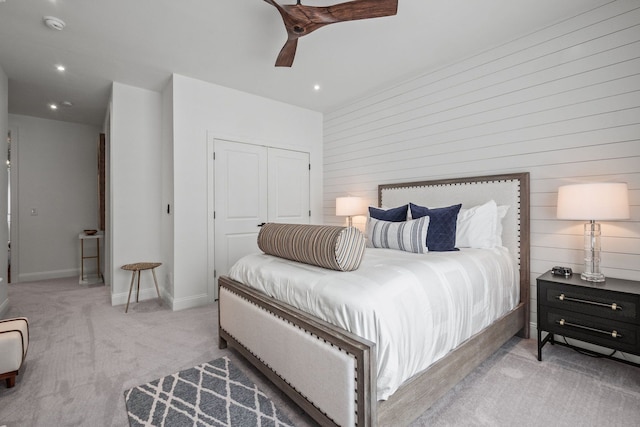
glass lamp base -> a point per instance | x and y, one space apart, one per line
592 253
592 277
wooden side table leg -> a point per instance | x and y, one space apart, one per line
138 291
153 271
133 275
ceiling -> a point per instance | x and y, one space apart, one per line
235 43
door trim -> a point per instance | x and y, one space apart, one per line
212 289
14 232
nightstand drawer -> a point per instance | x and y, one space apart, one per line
595 302
596 330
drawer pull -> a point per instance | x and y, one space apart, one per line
613 306
614 333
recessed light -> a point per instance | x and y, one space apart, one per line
60 67
53 106
316 87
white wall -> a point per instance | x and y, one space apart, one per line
158 155
57 176
135 186
4 128
562 103
202 110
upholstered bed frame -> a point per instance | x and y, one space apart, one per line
331 373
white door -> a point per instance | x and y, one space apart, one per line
288 187
240 201
254 185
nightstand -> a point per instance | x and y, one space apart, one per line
604 313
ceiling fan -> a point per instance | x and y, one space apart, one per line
300 20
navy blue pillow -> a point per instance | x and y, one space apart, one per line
441 235
398 214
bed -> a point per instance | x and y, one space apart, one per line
332 373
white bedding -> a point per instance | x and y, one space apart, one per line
415 307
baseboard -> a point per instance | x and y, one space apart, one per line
533 330
190 302
150 293
166 296
4 308
47 275
145 294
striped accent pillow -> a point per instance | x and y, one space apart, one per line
333 247
408 236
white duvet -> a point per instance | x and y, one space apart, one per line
415 307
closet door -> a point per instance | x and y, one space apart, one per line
240 201
254 185
288 187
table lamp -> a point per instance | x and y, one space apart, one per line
593 202
349 206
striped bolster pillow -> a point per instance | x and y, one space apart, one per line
333 247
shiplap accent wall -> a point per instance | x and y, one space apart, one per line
562 103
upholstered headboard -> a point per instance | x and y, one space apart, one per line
506 189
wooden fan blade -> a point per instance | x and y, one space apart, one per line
287 17
288 52
273 3
300 20
362 9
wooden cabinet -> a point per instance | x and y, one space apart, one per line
605 313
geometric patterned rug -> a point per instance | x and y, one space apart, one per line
212 394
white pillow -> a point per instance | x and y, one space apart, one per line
408 236
477 227
502 212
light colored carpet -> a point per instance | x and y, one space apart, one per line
565 389
84 354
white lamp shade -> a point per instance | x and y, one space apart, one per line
593 201
348 206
